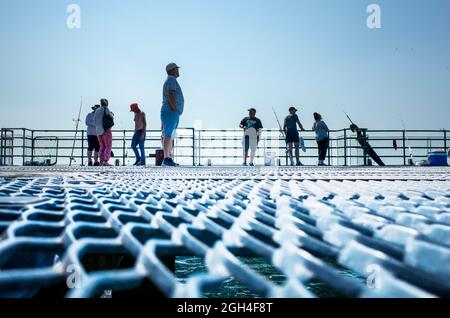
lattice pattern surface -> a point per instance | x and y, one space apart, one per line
362 232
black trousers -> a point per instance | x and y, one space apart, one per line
323 148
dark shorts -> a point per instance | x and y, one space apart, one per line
93 144
292 136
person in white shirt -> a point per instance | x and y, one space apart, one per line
93 144
252 127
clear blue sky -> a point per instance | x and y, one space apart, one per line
318 55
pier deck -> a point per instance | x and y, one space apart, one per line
121 231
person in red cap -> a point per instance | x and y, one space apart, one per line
140 127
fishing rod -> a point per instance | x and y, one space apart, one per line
278 121
76 132
409 144
348 117
281 132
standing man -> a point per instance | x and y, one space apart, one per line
292 136
93 144
171 110
252 133
140 127
104 120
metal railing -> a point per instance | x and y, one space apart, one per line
21 146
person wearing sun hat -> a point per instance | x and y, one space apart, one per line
140 127
171 110
93 144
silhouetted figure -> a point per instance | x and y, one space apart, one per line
171 110
322 138
292 135
93 144
367 148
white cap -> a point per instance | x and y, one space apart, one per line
171 66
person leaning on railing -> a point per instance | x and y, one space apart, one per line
322 138
292 135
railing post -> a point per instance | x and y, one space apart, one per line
12 147
445 140
404 147
286 148
193 147
200 147
32 145
329 149
124 147
345 147
1 147
364 151
23 147
82 148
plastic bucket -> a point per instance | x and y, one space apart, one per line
269 159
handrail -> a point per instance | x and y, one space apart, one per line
204 144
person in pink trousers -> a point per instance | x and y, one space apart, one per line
104 132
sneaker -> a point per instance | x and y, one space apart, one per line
137 162
171 160
168 162
90 164
244 164
96 164
140 164
252 165
299 164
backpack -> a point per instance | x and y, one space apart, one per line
108 121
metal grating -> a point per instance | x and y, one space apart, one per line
78 232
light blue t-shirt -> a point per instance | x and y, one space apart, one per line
171 84
90 123
321 130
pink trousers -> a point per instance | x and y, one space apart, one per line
105 141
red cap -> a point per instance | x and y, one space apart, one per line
133 107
